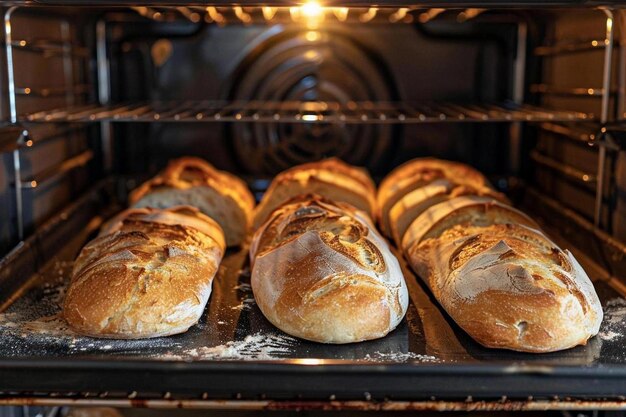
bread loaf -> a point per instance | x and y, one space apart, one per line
330 178
418 173
411 205
469 210
509 287
321 272
500 278
148 274
194 182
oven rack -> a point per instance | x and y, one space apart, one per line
351 112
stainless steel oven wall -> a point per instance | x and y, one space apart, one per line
562 164
51 57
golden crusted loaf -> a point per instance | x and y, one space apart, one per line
321 272
148 274
412 204
194 182
330 178
508 286
418 173
500 278
471 210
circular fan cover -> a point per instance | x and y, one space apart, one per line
309 66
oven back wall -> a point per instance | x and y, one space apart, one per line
335 62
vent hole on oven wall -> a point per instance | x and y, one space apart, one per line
296 66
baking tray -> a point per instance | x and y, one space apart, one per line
234 353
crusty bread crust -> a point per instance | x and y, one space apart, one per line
178 215
467 210
508 286
414 203
148 275
330 178
322 273
418 173
192 181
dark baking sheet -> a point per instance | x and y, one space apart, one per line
233 352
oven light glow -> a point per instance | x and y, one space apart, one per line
309 361
242 15
311 13
312 36
214 16
399 15
312 56
311 10
269 12
310 117
369 15
341 13
430 15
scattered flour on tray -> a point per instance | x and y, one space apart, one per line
614 322
246 305
248 302
253 347
400 357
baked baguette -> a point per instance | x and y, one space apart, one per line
508 286
148 274
418 173
411 205
468 210
321 272
194 182
330 178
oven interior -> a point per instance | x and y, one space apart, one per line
97 99
518 93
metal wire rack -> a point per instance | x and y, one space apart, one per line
307 112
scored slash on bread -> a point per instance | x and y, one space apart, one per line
177 215
148 274
321 272
473 210
194 182
411 205
330 178
418 173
